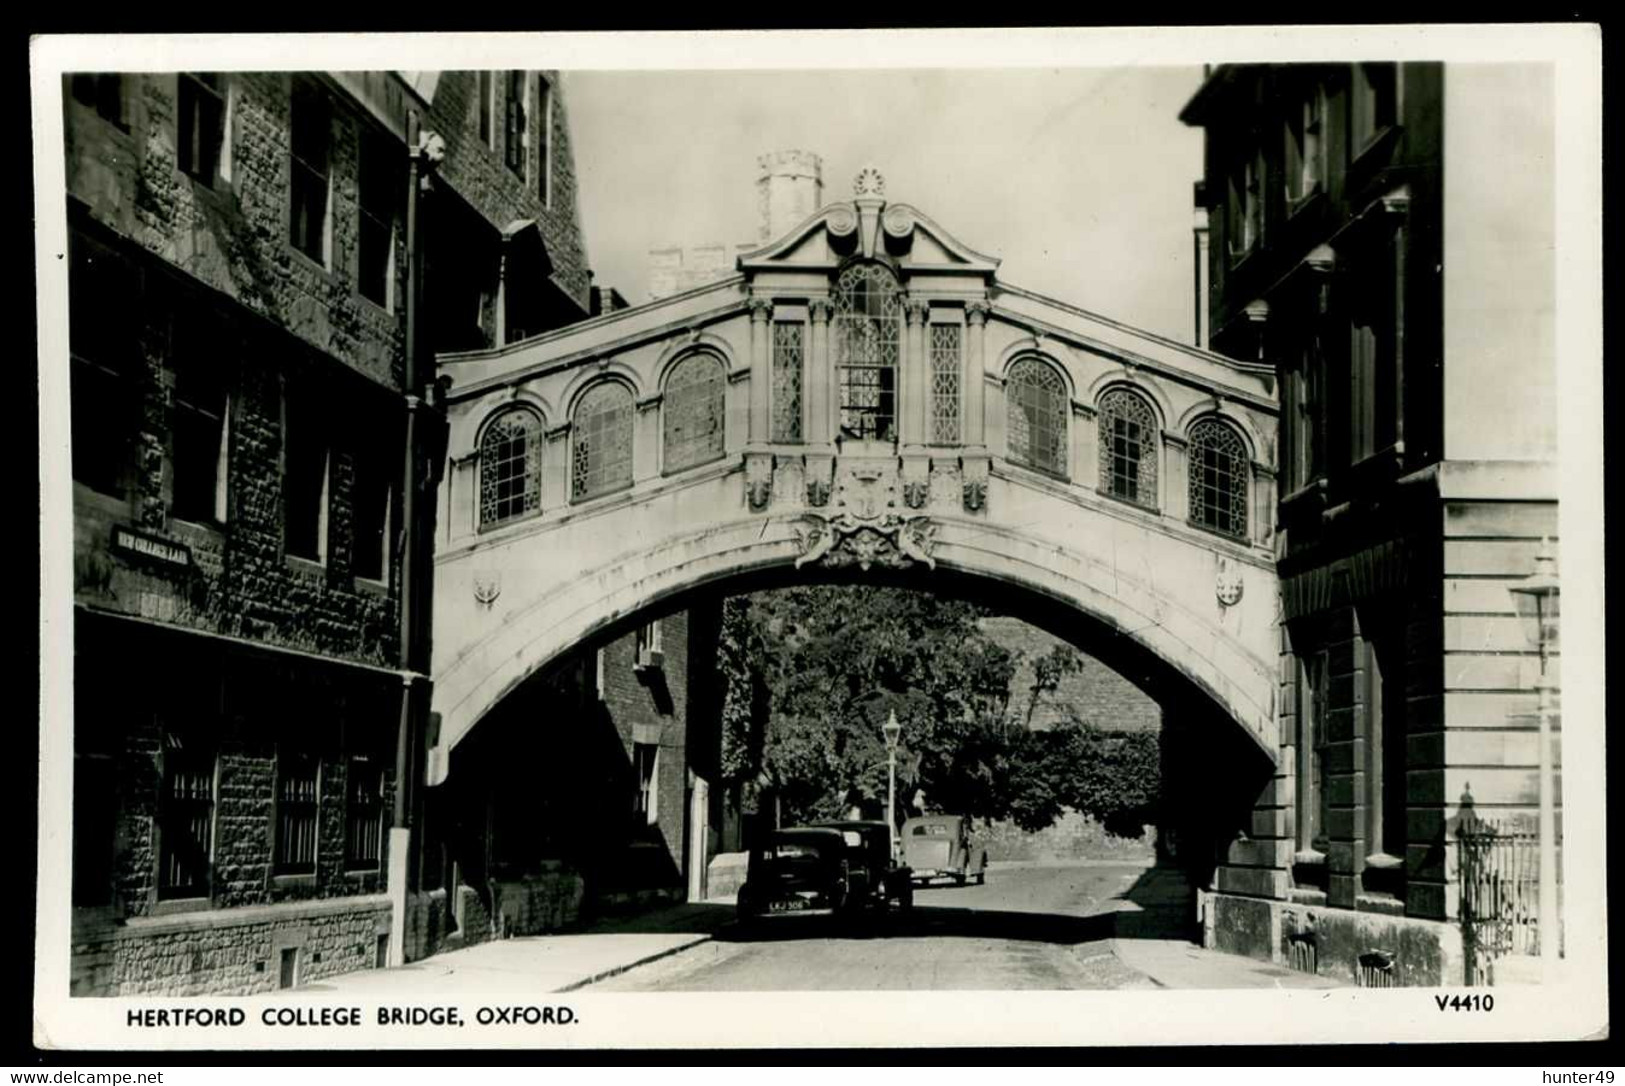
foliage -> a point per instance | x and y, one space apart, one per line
811 673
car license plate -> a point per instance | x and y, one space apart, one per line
787 905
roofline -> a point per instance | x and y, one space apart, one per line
591 322
1251 368
1195 111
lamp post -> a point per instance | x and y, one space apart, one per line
891 730
1537 601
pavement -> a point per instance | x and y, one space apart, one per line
1103 925
542 963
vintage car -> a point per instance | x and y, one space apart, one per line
941 846
875 877
796 872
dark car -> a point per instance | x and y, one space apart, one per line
875 877
796 872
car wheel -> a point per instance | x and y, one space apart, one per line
959 878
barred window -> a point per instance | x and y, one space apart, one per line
601 460
186 821
1128 447
364 814
1218 478
296 800
510 467
946 351
867 333
1035 405
695 395
787 355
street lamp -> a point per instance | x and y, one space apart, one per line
1536 598
891 730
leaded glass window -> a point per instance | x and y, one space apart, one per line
946 342
867 328
1218 478
601 460
1128 447
787 355
695 394
510 467
1035 405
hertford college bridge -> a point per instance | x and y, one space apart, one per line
865 398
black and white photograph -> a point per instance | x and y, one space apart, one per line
951 538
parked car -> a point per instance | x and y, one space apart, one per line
942 846
875 877
796 872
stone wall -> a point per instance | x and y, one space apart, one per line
1332 942
1096 693
479 173
236 952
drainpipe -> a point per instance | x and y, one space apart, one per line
1199 240
424 151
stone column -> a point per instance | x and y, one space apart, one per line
911 405
761 311
815 379
911 409
819 387
975 376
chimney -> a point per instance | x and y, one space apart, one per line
789 187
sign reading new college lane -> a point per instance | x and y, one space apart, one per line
151 548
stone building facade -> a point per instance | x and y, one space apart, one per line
237 298
1404 291
584 788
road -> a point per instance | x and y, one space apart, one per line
1043 927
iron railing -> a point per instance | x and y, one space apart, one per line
1498 866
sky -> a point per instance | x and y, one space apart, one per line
1078 180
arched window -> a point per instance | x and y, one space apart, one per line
693 411
510 466
1128 447
1035 405
601 456
867 329
1218 472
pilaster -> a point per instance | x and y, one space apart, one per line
646 443
820 418
975 382
761 311
911 405
556 467
1176 496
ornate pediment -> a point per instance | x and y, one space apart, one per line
868 225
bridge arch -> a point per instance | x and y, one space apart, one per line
1146 583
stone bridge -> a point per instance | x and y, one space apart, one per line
864 397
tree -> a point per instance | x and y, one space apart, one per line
810 674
